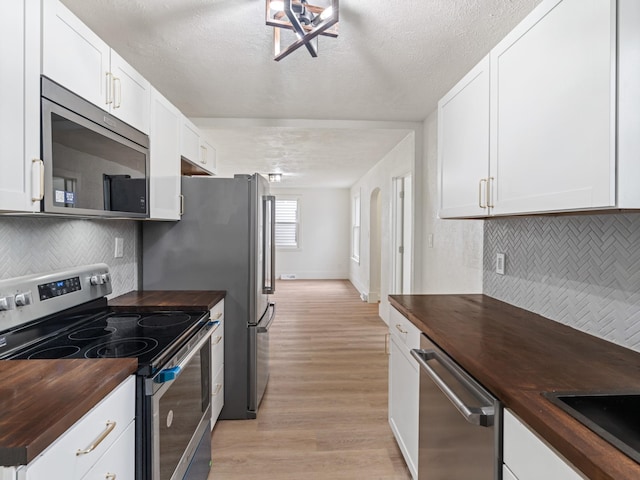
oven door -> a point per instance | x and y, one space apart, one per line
181 411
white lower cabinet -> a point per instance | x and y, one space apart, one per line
527 457
109 428
217 363
404 387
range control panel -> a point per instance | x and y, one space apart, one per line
59 287
31 297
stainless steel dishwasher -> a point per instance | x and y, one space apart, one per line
460 432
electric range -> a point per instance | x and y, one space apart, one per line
65 314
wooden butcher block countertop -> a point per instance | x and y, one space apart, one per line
517 355
153 300
41 399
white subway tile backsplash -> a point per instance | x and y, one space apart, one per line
37 245
582 270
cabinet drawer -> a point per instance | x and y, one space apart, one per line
529 457
118 461
118 407
217 312
217 395
402 328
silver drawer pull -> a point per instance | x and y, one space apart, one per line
216 316
110 426
110 476
217 391
399 327
216 340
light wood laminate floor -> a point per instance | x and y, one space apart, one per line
324 414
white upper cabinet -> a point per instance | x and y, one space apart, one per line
463 145
199 154
563 124
553 113
164 153
76 58
21 168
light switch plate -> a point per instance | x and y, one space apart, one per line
500 263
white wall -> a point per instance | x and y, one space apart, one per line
398 162
324 234
454 264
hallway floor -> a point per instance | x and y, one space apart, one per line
324 414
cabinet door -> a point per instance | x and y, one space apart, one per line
20 106
131 94
217 363
190 141
463 145
119 461
404 391
553 110
164 152
74 56
208 157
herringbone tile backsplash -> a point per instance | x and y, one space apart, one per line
38 245
583 270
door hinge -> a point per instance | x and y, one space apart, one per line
401 250
401 194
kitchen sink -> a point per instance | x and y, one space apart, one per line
615 417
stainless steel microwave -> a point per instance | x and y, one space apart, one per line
94 163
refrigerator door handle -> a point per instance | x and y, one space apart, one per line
269 244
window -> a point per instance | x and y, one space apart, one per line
355 228
287 223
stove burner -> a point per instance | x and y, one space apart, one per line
128 347
164 320
123 318
54 352
91 333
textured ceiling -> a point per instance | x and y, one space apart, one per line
392 61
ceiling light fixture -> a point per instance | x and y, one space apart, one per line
307 22
275 177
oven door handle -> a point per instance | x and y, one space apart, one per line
169 374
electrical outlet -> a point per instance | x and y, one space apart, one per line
119 250
501 259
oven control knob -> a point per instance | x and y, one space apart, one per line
23 299
96 280
105 277
5 303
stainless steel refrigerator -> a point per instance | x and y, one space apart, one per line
224 241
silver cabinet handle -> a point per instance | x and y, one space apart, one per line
216 316
489 193
181 204
217 390
37 180
402 330
481 416
386 344
110 476
216 340
117 89
480 190
109 89
110 426
203 154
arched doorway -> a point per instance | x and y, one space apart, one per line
375 249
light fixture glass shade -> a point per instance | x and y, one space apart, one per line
275 177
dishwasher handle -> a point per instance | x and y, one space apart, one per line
480 416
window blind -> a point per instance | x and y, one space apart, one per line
287 223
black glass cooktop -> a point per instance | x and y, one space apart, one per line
149 337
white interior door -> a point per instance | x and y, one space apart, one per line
402 237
